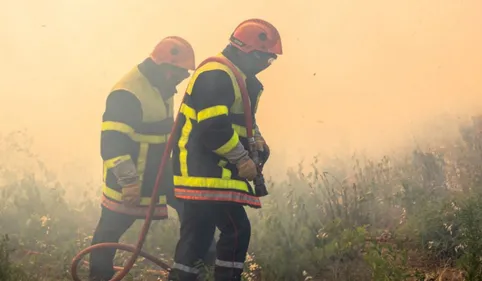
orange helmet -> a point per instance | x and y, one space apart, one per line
257 35
176 51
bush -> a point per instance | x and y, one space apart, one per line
395 218
9 271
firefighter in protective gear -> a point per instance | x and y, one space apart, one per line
211 164
137 120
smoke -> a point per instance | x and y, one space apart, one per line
354 75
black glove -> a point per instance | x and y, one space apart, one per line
264 155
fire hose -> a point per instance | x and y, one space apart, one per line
136 251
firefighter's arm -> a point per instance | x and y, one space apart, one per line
123 112
261 145
260 142
213 95
254 83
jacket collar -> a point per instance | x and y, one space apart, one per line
154 74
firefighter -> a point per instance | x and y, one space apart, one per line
137 120
211 165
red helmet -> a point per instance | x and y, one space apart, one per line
257 35
176 51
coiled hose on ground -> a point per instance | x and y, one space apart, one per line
137 250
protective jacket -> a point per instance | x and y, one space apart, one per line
211 124
136 125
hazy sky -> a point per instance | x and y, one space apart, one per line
355 72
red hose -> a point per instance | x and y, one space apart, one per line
145 227
167 151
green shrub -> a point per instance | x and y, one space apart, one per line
9 271
470 233
393 218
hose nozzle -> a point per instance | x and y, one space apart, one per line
260 186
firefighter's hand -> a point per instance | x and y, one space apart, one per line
262 147
260 143
247 168
131 194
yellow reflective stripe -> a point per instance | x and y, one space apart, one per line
150 138
211 112
216 66
188 111
117 126
111 163
210 183
226 173
217 195
241 130
141 160
117 196
105 173
185 132
128 130
229 145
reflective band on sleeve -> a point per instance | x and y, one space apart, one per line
229 145
188 111
241 130
185 268
128 130
118 127
117 196
230 264
111 163
217 195
211 112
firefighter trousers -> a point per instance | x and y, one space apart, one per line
198 225
110 228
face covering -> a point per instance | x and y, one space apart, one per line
256 61
176 76
170 76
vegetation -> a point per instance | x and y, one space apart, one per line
417 217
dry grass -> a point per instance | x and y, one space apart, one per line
402 218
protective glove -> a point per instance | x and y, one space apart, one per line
262 147
247 168
260 142
131 194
